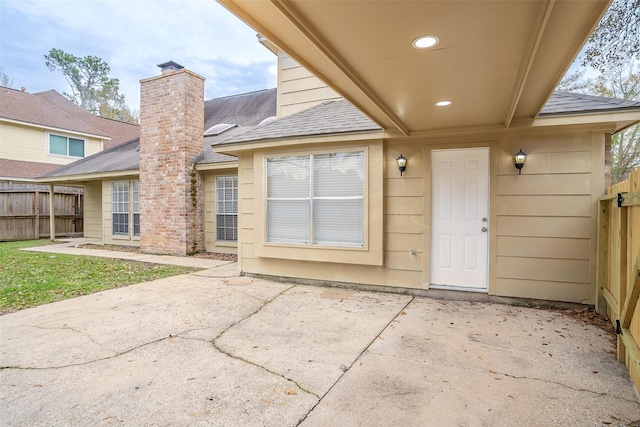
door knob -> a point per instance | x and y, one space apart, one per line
484 229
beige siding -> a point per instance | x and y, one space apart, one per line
298 89
107 227
546 216
93 210
211 242
541 223
18 142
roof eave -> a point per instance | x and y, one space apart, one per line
238 147
55 129
96 176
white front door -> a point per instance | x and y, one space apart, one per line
459 218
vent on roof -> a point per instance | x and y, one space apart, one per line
268 120
219 128
170 66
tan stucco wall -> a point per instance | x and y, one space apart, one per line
31 144
211 242
541 223
109 237
298 89
93 209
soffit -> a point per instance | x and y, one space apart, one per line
496 61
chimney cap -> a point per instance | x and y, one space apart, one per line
170 66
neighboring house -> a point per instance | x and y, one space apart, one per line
41 131
316 194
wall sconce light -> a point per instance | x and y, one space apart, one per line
520 157
402 163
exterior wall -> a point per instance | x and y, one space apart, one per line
541 223
298 89
171 137
107 226
31 144
211 242
93 210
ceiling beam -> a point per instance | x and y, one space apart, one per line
532 50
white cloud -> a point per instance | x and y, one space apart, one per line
132 36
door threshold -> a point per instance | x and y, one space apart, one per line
458 288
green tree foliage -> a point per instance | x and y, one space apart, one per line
621 82
616 39
5 80
91 86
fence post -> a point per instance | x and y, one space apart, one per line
602 255
36 211
52 217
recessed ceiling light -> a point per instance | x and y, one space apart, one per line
443 103
425 42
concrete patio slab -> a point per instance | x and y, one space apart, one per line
212 348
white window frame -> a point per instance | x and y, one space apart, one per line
313 239
227 209
128 205
67 137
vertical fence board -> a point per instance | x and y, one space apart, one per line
24 214
619 266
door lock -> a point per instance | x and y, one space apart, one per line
484 219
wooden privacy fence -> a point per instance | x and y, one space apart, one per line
618 268
24 214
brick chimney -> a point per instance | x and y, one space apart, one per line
171 136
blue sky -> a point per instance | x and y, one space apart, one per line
133 36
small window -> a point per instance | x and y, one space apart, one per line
316 199
227 208
66 146
135 200
120 208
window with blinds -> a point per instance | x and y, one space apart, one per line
120 208
316 199
135 201
227 208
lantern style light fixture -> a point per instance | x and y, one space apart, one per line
402 163
520 157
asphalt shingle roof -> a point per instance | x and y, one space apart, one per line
246 110
332 117
122 157
27 108
118 131
21 169
566 103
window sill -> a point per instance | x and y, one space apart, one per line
120 237
337 254
227 244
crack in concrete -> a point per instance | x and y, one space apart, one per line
489 371
236 357
348 368
102 359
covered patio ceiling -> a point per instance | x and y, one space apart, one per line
497 62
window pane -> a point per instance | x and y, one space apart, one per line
121 223
227 227
227 208
76 147
135 196
339 222
288 177
338 175
136 224
288 221
57 145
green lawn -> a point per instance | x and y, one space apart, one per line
28 279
